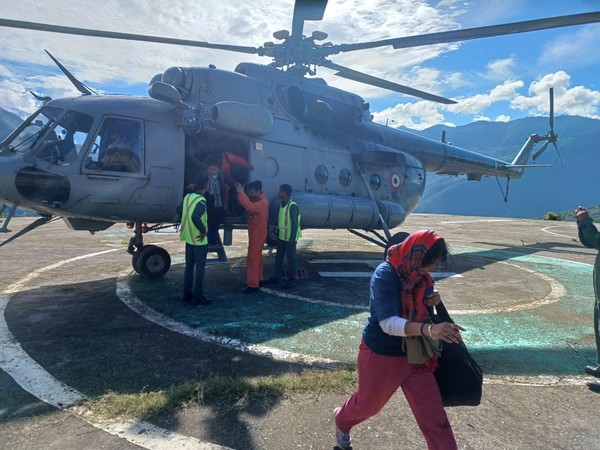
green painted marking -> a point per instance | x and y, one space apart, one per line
555 339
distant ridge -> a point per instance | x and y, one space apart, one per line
8 122
540 190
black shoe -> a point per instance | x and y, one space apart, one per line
594 386
269 281
250 290
187 297
593 370
201 301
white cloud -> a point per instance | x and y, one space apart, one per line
480 102
418 115
16 95
579 101
102 62
502 118
572 50
501 69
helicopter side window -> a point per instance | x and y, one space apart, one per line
117 147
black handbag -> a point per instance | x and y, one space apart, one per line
458 375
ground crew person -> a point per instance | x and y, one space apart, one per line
288 224
590 237
193 230
257 206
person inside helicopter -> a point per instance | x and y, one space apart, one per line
113 150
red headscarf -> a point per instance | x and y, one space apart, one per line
407 258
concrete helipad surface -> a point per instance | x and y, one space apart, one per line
79 323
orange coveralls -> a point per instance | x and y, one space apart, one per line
258 214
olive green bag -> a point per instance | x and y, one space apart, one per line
419 349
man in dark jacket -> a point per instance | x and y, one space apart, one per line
590 237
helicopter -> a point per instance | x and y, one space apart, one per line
97 160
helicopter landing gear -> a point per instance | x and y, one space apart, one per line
150 261
272 235
395 239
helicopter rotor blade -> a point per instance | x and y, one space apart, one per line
78 84
558 153
551 94
473 33
306 10
542 149
350 74
32 226
125 36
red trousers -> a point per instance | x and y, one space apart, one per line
378 379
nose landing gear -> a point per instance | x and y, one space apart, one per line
150 261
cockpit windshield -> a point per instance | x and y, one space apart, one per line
52 135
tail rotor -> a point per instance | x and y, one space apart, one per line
551 137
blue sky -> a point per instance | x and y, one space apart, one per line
501 78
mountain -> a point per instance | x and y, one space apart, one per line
540 190
8 122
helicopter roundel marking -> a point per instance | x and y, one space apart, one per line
395 181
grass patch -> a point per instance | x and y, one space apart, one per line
223 393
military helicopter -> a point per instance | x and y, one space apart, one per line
96 160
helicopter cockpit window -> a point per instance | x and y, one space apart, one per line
117 147
52 136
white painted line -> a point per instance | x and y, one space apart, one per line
435 275
126 296
346 274
442 275
34 379
557 291
29 374
477 221
547 230
369 262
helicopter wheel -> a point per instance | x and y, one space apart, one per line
152 261
395 239
272 235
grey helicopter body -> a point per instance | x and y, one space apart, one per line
99 160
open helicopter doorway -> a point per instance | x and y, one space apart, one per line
210 151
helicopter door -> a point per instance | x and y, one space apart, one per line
114 168
275 163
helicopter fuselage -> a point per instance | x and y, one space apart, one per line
346 171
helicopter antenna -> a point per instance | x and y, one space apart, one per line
41 98
78 84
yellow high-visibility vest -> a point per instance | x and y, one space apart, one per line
188 231
284 221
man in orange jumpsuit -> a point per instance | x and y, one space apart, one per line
257 206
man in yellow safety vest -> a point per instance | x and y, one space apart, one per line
288 224
193 230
